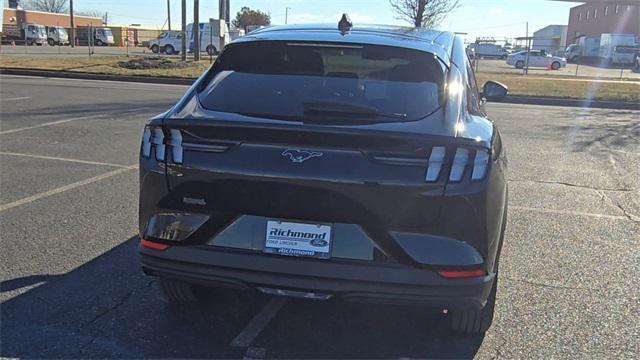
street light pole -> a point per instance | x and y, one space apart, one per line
286 15
183 52
72 26
196 30
169 14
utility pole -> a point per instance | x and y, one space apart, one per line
286 15
183 52
196 30
526 61
73 28
169 14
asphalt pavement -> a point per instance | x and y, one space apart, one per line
71 285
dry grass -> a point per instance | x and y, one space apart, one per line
518 84
551 87
101 65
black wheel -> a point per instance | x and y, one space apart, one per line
174 291
51 42
555 65
169 50
519 64
211 50
473 321
155 48
99 42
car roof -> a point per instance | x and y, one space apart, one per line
438 43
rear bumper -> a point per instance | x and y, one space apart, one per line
354 281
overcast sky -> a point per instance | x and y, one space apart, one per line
497 18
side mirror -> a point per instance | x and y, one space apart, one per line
494 91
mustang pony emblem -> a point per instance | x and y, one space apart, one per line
299 156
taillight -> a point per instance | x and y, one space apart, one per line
459 164
462 159
153 245
153 141
175 141
435 164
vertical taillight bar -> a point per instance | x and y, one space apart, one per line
435 164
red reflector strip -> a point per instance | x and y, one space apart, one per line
459 274
153 245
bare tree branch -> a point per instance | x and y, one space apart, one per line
423 13
53 6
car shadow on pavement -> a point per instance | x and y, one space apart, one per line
106 308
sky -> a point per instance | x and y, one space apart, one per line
492 18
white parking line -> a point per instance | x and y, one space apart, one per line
567 212
16 98
11 131
74 185
64 159
258 323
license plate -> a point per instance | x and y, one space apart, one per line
298 239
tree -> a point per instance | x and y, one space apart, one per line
423 13
53 6
247 17
93 13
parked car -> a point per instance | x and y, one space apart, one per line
169 42
537 58
359 163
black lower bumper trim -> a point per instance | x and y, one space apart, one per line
352 282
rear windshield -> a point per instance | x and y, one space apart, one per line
312 81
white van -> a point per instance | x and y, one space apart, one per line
209 37
57 35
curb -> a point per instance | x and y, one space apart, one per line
524 100
566 102
92 76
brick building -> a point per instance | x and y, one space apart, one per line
17 17
596 17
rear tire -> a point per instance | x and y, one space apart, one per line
519 64
555 65
474 321
99 42
51 42
174 291
155 48
169 50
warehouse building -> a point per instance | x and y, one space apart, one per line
596 17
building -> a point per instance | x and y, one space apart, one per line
18 17
552 38
596 17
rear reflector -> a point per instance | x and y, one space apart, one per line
459 274
153 245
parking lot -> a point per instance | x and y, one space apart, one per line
71 284
571 70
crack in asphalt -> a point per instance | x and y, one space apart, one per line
550 286
625 212
121 302
572 185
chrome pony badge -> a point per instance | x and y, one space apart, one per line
299 156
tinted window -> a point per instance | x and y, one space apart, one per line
307 80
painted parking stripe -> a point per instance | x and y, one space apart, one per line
11 131
63 159
16 98
568 212
258 323
61 189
